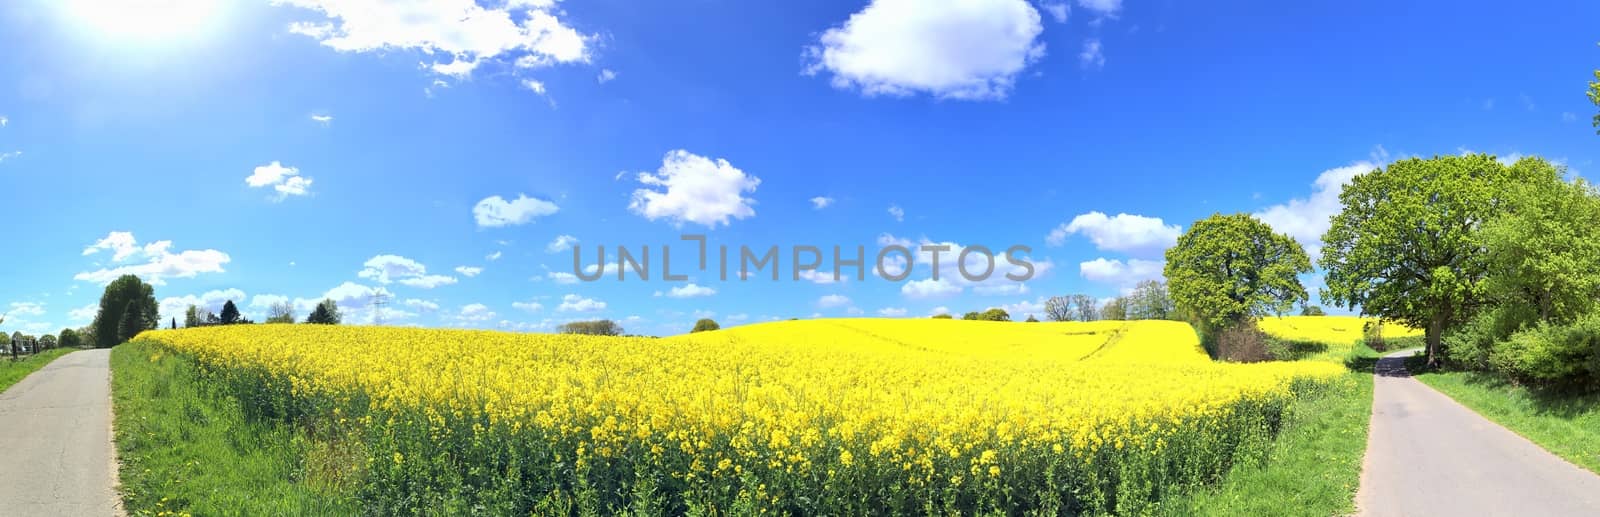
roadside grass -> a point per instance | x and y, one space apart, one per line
1567 425
12 372
186 449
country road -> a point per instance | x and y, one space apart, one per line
1428 455
55 440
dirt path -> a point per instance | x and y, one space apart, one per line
1428 455
55 440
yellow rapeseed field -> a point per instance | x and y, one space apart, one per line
848 416
1339 333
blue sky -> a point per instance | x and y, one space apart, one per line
273 151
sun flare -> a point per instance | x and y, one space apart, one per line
143 20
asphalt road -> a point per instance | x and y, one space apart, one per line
55 440
1428 455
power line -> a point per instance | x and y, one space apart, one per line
379 300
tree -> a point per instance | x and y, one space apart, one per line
943 316
1114 310
69 339
972 316
191 317
1058 308
1311 310
48 341
1543 252
994 314
1031 319
1403 248
281 312
591 328
1228 269
230 313
133 322
1085 308
705 324
1149 301
121 294
326 313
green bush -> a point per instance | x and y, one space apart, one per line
1564 355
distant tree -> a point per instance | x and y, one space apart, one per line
47 342
281 312
1149 301
133 321
191 317
1227 269
705 324
69 339
230 313
1114 310
943 316
1085 308
326 313
1058 308
994 314
1402 249
121 294
1031 319
592 328
973 316
1311 310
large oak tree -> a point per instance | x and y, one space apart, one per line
1227 269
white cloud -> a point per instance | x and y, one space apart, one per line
1058 10
468 271
957 49
459 35
821 202
160 263
4 121
690 291
492 256
1092 56
536 86
833 300
1120 273
528 306
560 243
1103 8
495 211
605 76
1021 310
265 301
897 213
939 310
174 306
84 314
284 180
386 269
475 312
322 119
575 303
930 288
422 305
892 312
1306 219
9 155
563 278
818 276
354 301
696 190
26 309
1127 233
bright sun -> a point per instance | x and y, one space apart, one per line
146 20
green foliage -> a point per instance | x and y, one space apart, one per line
972 316
704 325
1149 301
281 312
1228 269
1076 307
945 316
1563 355
592 328
191 317
69 338
1543 251
1403 247
120 296
48 341
994 314
1311 310
326 313
1031 319
230 313
1594 97
1115 310
12 372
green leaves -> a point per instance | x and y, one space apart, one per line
1228 268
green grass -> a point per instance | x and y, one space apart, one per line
184 448
12 372
1312 469
1564 424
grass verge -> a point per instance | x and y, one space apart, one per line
185 448
12 372
1312 469
1566 425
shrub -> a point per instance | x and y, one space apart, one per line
1372 335
592 328
705 324
1561 355
1242 343
943 317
